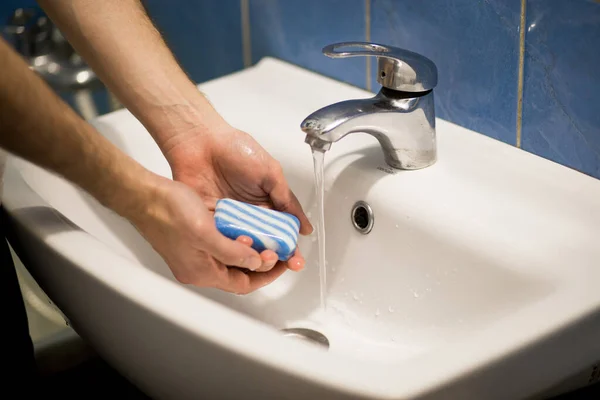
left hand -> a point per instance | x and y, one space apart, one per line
227 162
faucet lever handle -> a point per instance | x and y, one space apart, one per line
397 68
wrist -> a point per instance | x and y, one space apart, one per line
136 195
188 114
113 178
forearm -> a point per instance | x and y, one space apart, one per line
38 126
118 40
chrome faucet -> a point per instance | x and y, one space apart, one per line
48 53
401 116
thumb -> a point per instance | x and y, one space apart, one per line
231 252
284 199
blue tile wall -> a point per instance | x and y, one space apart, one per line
475 44
475 47
296 31
204 35
561 107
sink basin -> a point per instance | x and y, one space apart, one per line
479 279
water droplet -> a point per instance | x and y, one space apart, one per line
396 226
393 339
391 309
416 294
428 289
360 302
377 312
354 296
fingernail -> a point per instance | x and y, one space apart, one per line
252 263
299 264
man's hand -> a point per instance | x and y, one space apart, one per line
229 163
181 229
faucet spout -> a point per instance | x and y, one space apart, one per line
402 122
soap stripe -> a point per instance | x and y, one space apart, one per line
265 217
286 218
266 240
247 213
252 223
233 232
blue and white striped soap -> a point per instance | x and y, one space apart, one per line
269 229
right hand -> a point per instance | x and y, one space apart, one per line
181 229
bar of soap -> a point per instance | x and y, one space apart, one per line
269 229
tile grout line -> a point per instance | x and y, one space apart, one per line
368 39
521 73
246 43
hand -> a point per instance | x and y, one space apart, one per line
230 163
181 229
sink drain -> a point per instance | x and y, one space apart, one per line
362 217
307 335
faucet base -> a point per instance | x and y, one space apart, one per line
410 159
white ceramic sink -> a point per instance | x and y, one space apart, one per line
480 278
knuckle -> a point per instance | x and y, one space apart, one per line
200 226
277 171
279 168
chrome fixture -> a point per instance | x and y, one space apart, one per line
401 116
362 217
48 53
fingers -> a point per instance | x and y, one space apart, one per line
232 252
243 282
285 200
269 259
245 240
296 262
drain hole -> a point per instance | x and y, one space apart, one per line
307 335
362 217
